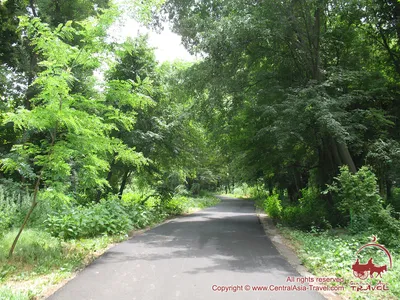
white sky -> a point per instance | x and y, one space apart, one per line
168 44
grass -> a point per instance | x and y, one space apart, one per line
41 262
6 293
332 254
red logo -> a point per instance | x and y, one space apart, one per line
363 271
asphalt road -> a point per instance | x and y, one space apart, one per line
220 247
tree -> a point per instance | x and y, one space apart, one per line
73 135
291 88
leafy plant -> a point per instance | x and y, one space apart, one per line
106 217
331 253
8 209
357 195
273 207
309 213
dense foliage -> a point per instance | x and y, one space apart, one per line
73 141
297 102
327 254
291 91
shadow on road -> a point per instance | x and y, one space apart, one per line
229 234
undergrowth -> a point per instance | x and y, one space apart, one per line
74 236
329 253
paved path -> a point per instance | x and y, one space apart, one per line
186 258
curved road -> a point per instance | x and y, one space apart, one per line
219 247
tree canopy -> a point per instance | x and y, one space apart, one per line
289 95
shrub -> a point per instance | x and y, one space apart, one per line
386 228
273 207
176 205
257 192
8 210
143 211
357 194
291 216
106 217
141 215
309 213
196 188
395 199
131 198
14 205
202 202
181 190
114 216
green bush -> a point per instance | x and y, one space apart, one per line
202 202
291 216
357 194
386 228
309 213
257 192
116 216
143 210
131 198
14 205
196 188
176 205
8 210
106 217
142 215
181 190
273 207
395 199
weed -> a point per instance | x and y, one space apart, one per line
328 254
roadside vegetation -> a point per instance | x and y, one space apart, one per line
330 252
302 99
97 140
294 103
59 243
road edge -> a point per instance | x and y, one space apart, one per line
286 249
131 234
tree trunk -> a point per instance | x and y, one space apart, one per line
123 183
109 175
316 42
270 188
33 205
389 185
335 153
346 156
32 6
189 183
293 193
